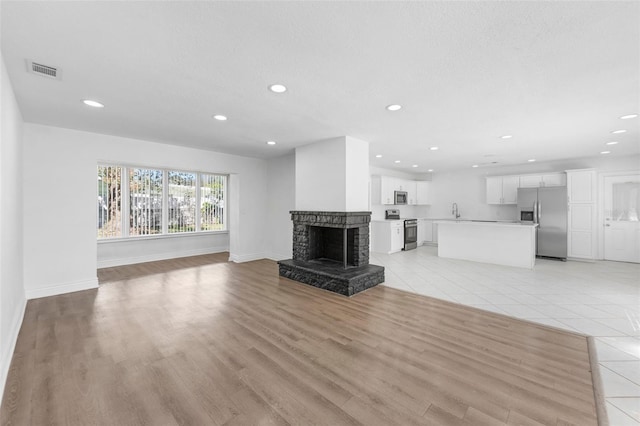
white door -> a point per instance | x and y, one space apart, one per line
621 223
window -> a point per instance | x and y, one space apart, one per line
109 201
212 201
145 202
182 202
134 202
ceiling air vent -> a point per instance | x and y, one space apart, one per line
43 70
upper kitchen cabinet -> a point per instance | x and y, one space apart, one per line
423 192
388 185
581 186
410 187
383 188
502 189
540 181
554 179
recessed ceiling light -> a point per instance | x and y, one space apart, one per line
397 161
619 131
278 88
271 142
626 117
605 152
415 165
91 103
434 148
474 166
506 137
379 156
430 170
531 160
220 117
394 107
612 143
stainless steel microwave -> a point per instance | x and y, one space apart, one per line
399 197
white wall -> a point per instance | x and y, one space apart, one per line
126 252
467 188
320 176
356 175
281 181
60 246
12 297
332 175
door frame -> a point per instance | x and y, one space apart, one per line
600 198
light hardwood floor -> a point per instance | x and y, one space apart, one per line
202 341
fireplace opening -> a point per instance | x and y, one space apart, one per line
332 244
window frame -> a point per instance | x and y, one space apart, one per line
126 211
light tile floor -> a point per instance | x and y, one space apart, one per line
600 299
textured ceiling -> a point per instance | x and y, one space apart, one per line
555 75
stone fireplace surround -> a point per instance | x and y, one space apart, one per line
319 250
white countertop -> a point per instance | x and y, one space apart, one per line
486 223
447 219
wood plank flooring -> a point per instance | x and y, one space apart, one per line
201 341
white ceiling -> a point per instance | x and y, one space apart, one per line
555 75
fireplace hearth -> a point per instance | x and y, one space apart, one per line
331 251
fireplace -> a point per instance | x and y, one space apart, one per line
331 251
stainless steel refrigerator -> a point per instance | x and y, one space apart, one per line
548 208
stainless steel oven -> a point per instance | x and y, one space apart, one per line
410 234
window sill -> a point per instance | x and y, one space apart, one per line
161 236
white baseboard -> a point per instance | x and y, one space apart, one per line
581 259
10 347
277 256
240 258
54 290
108 263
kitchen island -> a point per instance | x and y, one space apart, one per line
500 243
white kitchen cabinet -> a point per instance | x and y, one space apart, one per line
423 195
541 181
410 187
554 179
494 190
397 237
383 188
502 189
581 221
425 231
530 181
581 186
421 236
387 236
387 186
402 184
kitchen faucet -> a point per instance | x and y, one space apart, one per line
454 210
